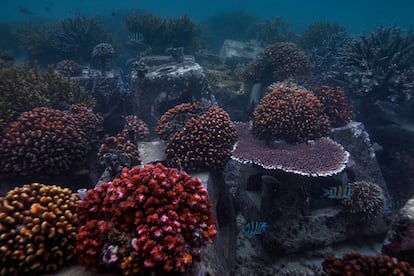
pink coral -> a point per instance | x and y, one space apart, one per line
150 219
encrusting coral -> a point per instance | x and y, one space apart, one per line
38 226
150 220
200 137
366 202
356 264
292 114
42 142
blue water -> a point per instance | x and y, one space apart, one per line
356 15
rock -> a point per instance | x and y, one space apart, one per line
236 53
399 242
160 83
300 217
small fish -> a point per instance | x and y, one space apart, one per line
394 205
136 36
255 227
338 192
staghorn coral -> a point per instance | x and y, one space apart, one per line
41 142
25 88
150 220
38 225
322 157
160 33
361 265
317 33
280 61
291 114
366 202
104 52
69 68
135 129
379 66
200 137
335 104
74 38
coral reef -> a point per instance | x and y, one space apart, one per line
26 88
335 105
280 61
104 52
69 68
38 225
41 142
160 33
86 120
199 136
120 144
379 66
322 157
367 201
150 220
360 265
291 114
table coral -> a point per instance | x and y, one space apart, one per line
38 225
41 142
291 114
152 219
199 136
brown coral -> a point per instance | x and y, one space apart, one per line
366 201
135 129
200 137
322 157
280 61
38 225
356 264
291 114
69 68
41 142
119 144
87 120
26 88
335 104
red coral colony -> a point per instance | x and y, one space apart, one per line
152 219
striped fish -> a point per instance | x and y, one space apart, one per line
394 205
255 227
338 192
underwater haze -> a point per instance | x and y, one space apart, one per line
357 16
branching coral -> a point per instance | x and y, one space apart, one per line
41 142
360 265
317 33
75 38
26 88
366 202
155 219
379 65
279 62
335 104
291 114
200 137
161 33
38 225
